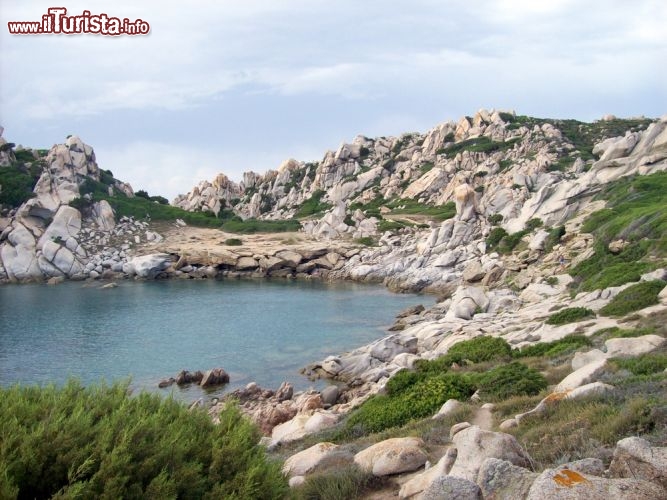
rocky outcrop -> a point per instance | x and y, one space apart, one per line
392 456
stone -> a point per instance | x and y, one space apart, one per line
452 488
284 392
582 359
473 272
186 377
422 481
148 266
389 347
448 408
319 421
634 346
564 483
289 431
508 424
313 458
166 382
454 429
584 375
216 376
296 481
411 311
103 215
475 445
246 264
634 457
500 479
392 456
329 395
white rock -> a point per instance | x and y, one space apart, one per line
392 456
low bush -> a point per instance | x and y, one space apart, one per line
646 364
633 298
313 205
343 483
419 400
366 241
100 442
15 186
555 348
251 226
495 219
233 242
513 379
477 350
570 315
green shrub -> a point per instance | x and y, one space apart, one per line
349 220
342 483
495 219
233 242
422 399
534 223
513 379
15 186
554 238
251 226
366 241
496 234
477 350
570 315
426 167
633 298
554 348
99 442
477 145
24 156
413 207
646 364
390 225
313 205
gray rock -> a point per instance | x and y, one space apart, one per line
329 395
635 458
452 488
216 376
500 479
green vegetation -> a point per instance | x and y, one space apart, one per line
426 167
495 219
476 364
391 225
477 145
98 442
251 226
313 205
502 242
413 207
647 364
24 156
16 186
513 379
343 483
567 344
633 298
533 224
141 193
233 242
636 214
417 400
570 315
372 208
554 238
366 241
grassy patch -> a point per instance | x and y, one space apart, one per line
341 483
366 241
477 145
633 298
646 364
513 379
570 315
567 344
413 207
313 205
98 442
251 226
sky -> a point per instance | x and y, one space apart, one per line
230 86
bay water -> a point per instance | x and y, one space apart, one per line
262 331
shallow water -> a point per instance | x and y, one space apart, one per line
262 331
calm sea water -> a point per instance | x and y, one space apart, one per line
261 331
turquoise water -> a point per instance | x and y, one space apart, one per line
262 331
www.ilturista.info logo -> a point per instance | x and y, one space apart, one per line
56 21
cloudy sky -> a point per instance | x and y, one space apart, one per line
228 86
